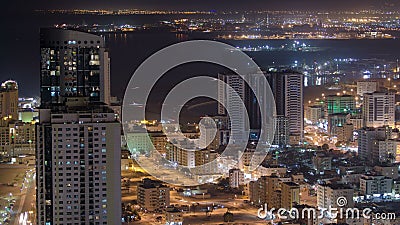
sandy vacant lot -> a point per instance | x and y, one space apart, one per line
11 174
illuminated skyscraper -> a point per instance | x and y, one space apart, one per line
78 143
287 88
73 64
78 166
339 104
9 100
234 106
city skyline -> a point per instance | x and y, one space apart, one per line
204 5
25 38
211 112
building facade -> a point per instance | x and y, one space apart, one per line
328 194
339 104
388 151
9 100
236 178
368 142
287 88
17 138
379 109
78 137
235 106
78 167
344 133
290 195
73 64
152 195
365 87
314 113
375 185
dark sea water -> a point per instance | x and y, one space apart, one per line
19 46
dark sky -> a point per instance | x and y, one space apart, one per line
20 5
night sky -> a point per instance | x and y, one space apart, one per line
19 5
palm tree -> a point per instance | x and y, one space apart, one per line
228 216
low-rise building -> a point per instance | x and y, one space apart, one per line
17 138
322 162
272 170
396 188
298 178
236 178
344 133
387 171
328 195
375 185
368 142
367 86
314 113
290 195
387 151
247 156
153 195
173 216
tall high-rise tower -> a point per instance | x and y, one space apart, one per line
256 86
78 166
73 64
78 142
287 88
9 100
234 106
